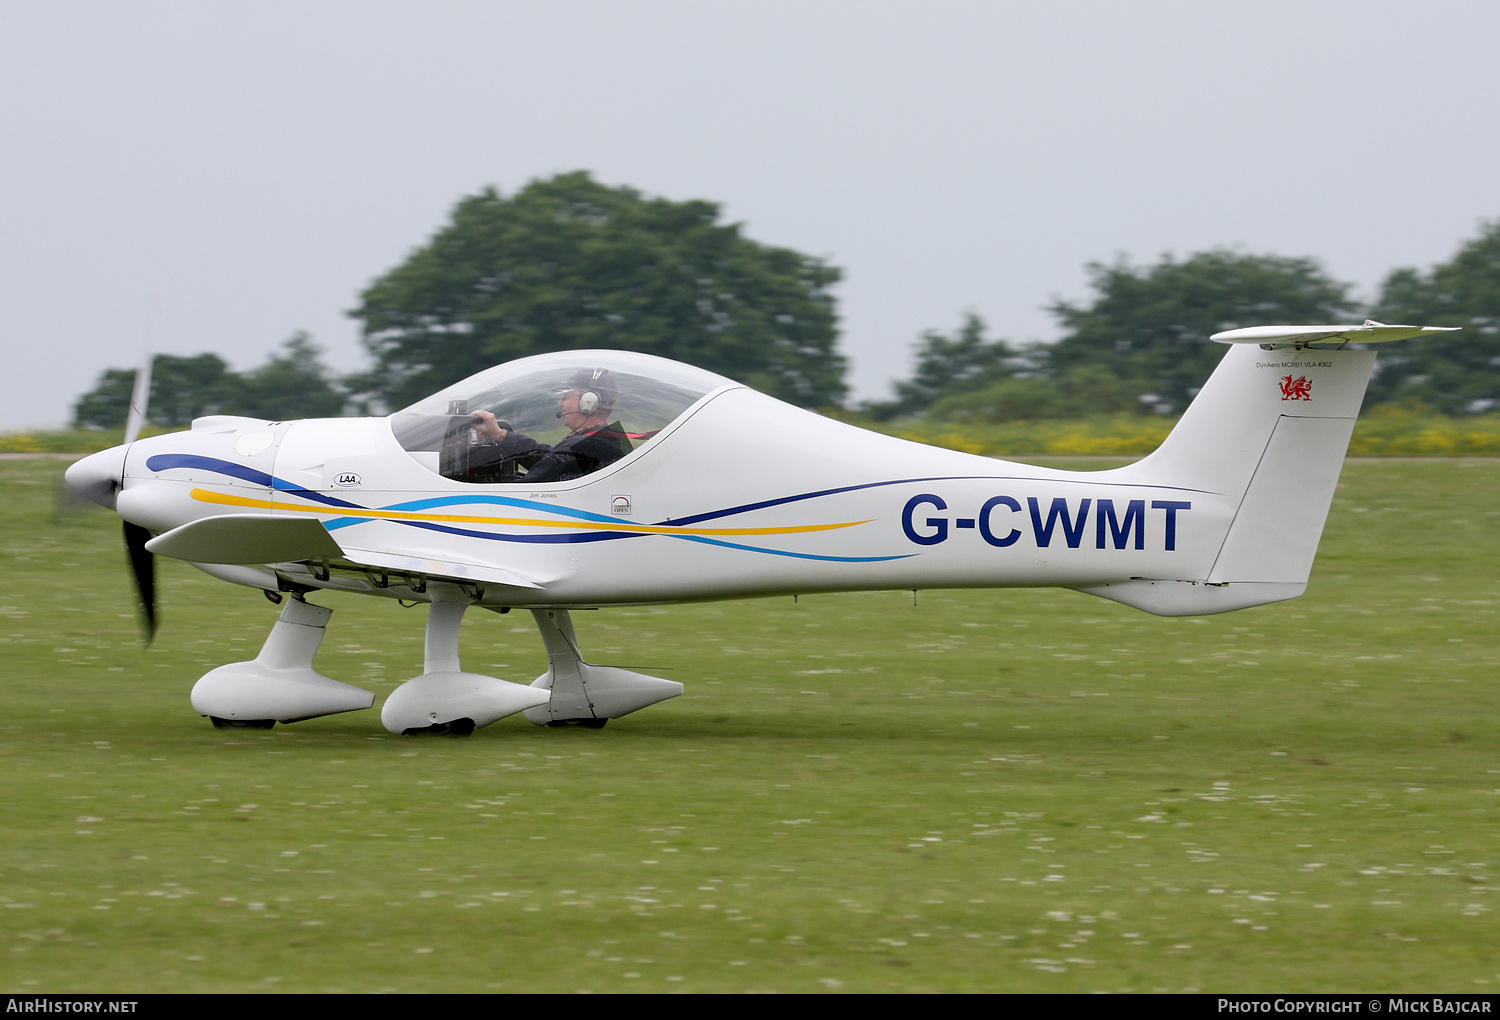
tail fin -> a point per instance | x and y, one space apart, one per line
1267 434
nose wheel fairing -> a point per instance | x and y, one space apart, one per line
279 684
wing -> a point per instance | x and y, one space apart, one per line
268 538
246 538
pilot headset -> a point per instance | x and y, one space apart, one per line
588 399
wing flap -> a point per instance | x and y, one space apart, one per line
266 538
482 573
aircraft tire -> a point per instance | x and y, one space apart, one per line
241 724
456 728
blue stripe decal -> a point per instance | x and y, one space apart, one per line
285 486
163 462
597 536
189 461
345 522
611 535
435 502
800 556
525 504
167 461
746 507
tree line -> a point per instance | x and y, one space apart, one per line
1139 343
569 263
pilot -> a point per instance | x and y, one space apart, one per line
586 402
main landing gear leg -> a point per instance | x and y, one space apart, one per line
582 694
445 699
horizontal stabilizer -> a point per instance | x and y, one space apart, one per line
1370 332
247 538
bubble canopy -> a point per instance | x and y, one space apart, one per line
634 396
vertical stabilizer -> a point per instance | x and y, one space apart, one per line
1221 440
1266 436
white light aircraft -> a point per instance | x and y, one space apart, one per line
586 479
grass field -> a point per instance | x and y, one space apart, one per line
984 791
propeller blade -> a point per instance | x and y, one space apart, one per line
143 566
140 393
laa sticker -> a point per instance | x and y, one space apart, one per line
1299 388
347 480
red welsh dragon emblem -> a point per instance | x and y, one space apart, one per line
1299 388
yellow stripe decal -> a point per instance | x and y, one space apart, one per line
224 499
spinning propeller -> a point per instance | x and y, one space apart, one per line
143 566
99 478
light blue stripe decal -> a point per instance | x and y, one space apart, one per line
163 462
800 556
525 504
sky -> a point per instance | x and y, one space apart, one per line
218 176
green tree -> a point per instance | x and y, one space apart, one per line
1148 326
569 263
1455 373
966 377
107 405
948 366
182 388
292 384
1081 391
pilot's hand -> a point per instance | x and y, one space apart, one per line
487 427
